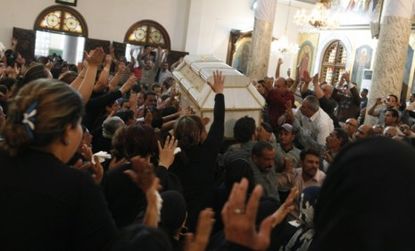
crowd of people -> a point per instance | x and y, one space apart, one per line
101 156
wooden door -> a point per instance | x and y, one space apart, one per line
26 40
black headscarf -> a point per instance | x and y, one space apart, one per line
368 199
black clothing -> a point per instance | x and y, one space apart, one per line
46 205
367 201
95 109
196 170
142 238
125 200
348 106
100 143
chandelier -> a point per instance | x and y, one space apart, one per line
319 18
283 46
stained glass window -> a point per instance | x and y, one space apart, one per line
61 18
334 62
52 21
71 23
139 35
148 32
156 36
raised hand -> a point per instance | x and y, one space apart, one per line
166 153
199 241
152 214
95 57
280 62
378 101
108 59
131 81
286 207
115 163
121 68
346 76
328 157
315 79
133 101
141 173
218 82
98 170
239 219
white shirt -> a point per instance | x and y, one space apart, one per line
163 75
313 130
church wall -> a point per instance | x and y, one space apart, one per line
353 39
196 26
211 21
106 19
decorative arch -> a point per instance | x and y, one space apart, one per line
62 19
334 62
148 32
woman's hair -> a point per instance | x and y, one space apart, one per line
188 130
68 77
39 114
35 71
243 129
139 140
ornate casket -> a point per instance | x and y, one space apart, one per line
241 97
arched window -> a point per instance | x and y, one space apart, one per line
60 31
334 62
147 32
62 19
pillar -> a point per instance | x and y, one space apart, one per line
261 39
391 51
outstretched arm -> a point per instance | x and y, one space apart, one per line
93 59
277 70
216 132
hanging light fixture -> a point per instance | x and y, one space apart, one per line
282 45
320 18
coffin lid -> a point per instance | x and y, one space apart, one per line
194 73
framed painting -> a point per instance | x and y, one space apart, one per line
67 2
362 61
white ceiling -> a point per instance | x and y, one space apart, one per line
298 3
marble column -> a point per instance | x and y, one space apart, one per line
391 51
261 39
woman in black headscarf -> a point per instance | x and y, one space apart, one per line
368 199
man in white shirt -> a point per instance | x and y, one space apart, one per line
164 73
312 124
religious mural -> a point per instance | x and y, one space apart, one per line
305 57
241 54
362 61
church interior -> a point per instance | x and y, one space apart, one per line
253 124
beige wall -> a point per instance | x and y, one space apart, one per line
196 26
105 20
